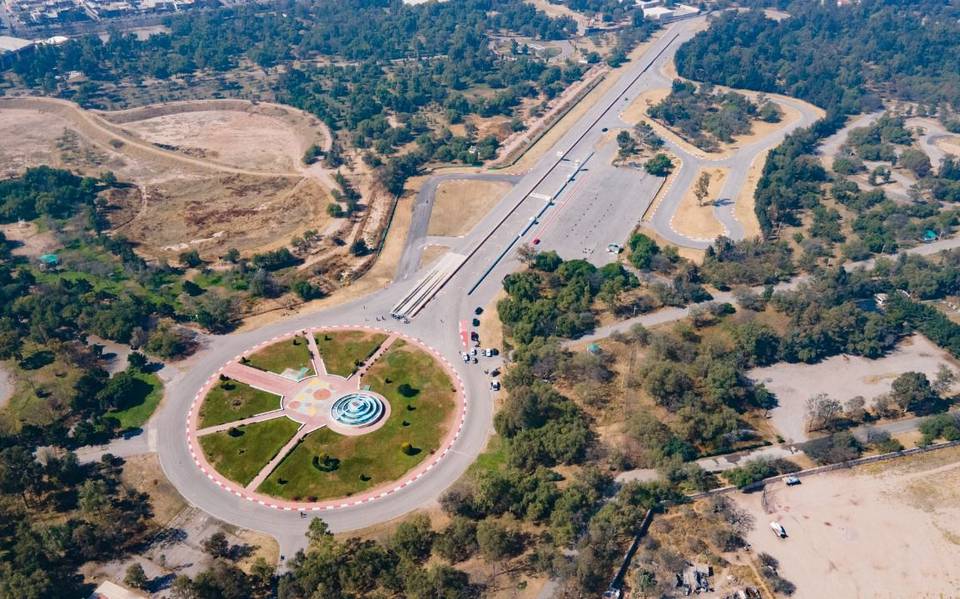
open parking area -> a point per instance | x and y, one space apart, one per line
889 529
842 378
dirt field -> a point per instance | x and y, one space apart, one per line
180 201
794 384
234 138
950 145
697 221
459 205
883 530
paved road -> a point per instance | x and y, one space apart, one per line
491 249
437 325
417 234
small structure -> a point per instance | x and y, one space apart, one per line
49 261
593 348
662 14
112 590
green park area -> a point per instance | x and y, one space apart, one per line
290 353
240 453
327 464
146 391
343 351
231 400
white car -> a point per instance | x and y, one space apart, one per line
792 480
778 530
494 385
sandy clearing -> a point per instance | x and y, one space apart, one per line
460 204
744 208
794 384
240 139
32 242
950 145
883 530
700 222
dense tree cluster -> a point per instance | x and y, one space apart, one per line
818 53
555 298
56 515
707 117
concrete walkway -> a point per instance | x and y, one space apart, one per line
316 357
373 358
260 379
261 476
234 423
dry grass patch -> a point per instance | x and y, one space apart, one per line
431 253
459 205
744 208
694 220
950 145
144 474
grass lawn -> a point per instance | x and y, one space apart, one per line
147 394
241 457
341 351
232 400
290 353
43 388
375 458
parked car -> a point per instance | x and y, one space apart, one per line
792 480
778 530
494 385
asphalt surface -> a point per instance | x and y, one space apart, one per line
599 213
436 325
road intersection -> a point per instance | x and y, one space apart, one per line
603 206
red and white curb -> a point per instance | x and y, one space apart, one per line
266 501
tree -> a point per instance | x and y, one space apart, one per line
659 166
839 447
458 541
190 259
413 539
915 160
912 392
944 380
359 248
217 545
642 250
135 576
823 412
702 187
497 542
137 360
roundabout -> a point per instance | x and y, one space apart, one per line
276 427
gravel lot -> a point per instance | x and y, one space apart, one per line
842 378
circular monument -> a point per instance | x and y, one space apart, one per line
358 409
326 418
